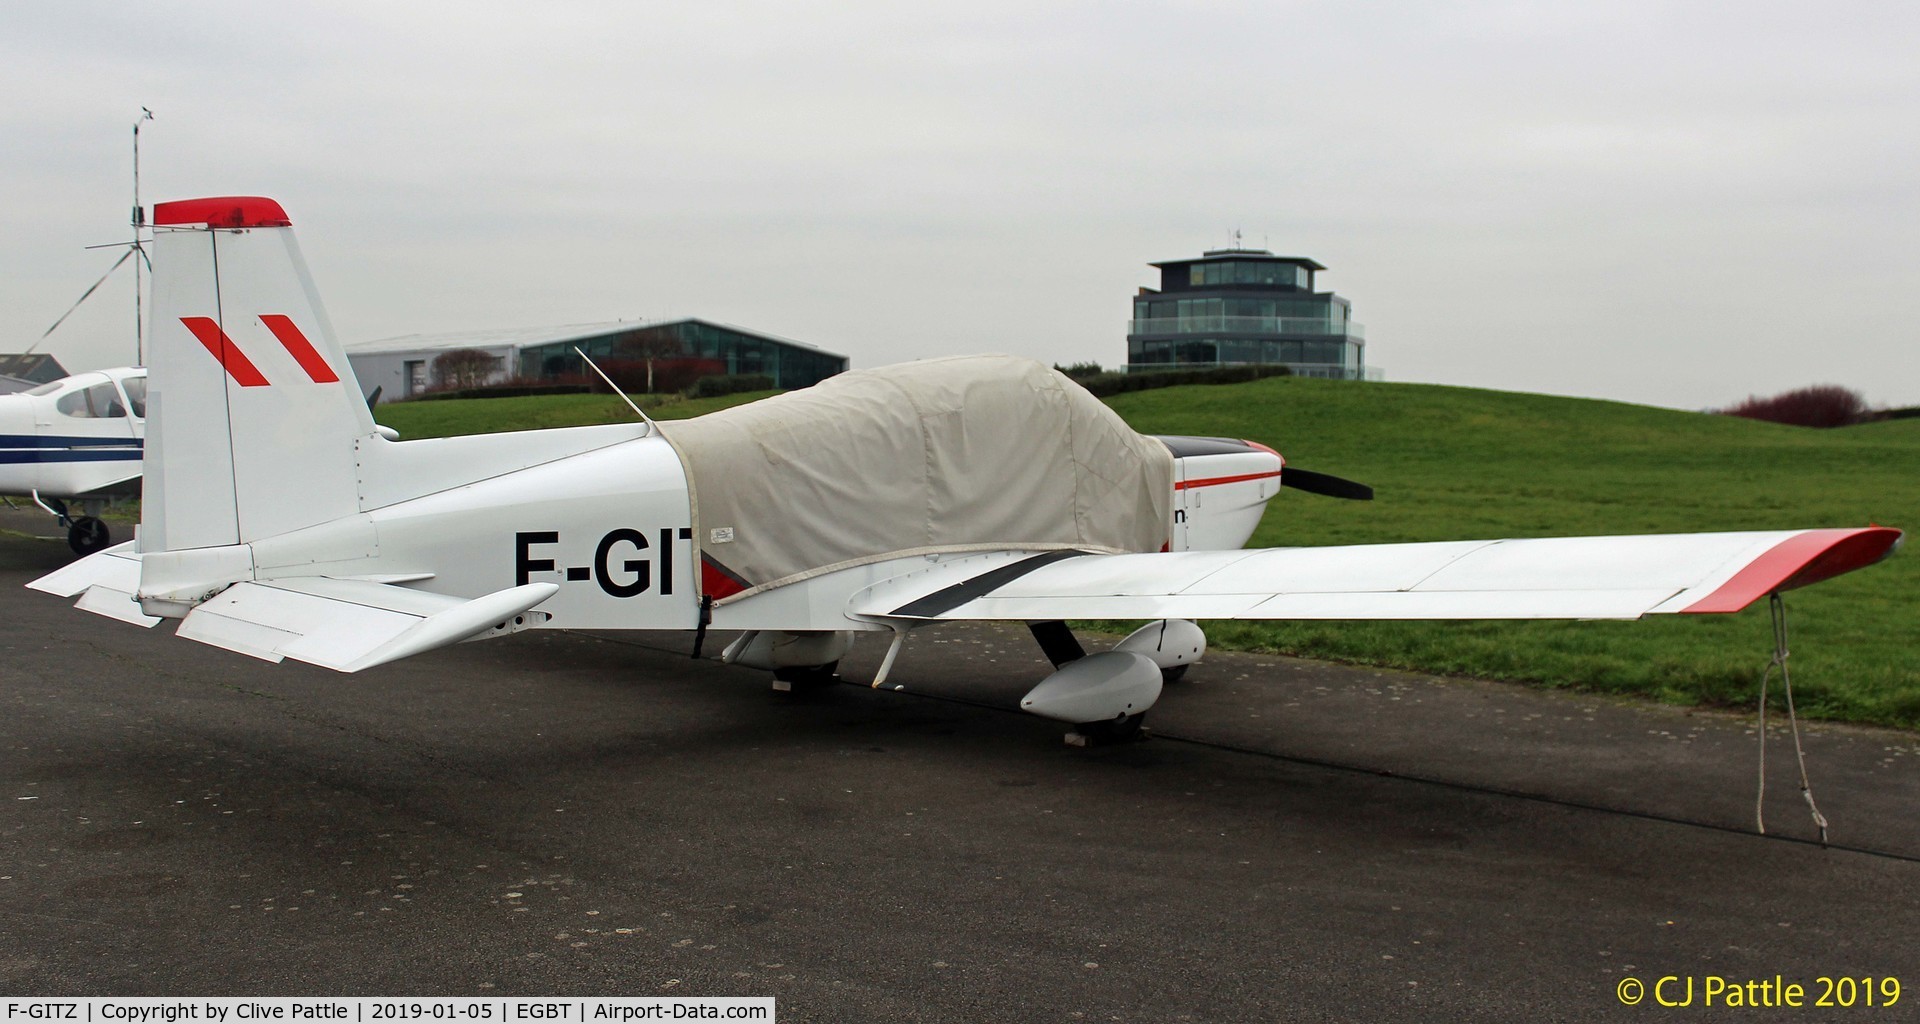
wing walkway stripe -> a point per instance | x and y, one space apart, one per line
949 598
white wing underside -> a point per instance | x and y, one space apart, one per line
341 624
105 582
1551 578
350 625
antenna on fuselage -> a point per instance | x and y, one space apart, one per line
652 427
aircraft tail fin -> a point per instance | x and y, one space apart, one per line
254 416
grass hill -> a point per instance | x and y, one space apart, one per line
1459 463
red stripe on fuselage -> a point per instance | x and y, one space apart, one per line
1215 481
234 361
299 348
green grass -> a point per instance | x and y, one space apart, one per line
1458 463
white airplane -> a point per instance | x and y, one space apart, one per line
76 440
279 523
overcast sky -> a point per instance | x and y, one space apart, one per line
1671 203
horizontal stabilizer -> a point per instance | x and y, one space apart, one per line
105 582
350 625
1547 578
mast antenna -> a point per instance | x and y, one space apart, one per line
133 249
140 253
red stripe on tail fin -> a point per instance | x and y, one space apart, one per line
299 348
234 361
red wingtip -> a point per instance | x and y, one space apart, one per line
1801 560
222 212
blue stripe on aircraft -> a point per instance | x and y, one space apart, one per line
60 441
45 455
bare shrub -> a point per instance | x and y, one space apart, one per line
1821 405
463 368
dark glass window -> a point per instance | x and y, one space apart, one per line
1322 352
136 389
101 401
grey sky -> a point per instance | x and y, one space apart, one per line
1672 203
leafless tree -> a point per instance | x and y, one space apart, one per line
650 345
463 368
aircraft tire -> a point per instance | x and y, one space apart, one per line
808 678
1113 730
88 535
1169 676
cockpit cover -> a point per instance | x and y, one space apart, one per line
957 454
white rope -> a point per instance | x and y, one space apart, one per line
1780 654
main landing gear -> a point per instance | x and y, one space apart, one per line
88 534
800 662
804 679
1105 696
85 532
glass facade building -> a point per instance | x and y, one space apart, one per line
1237 306
717 348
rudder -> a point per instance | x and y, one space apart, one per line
254 413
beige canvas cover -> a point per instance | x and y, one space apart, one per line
955 454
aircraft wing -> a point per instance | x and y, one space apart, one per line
119 486
1548 578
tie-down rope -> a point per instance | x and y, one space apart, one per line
1779 609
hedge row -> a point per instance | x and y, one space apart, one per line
714 387
504 391
1105 384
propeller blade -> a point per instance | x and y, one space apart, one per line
374 399
1321 483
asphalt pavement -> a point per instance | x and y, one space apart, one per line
568 813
